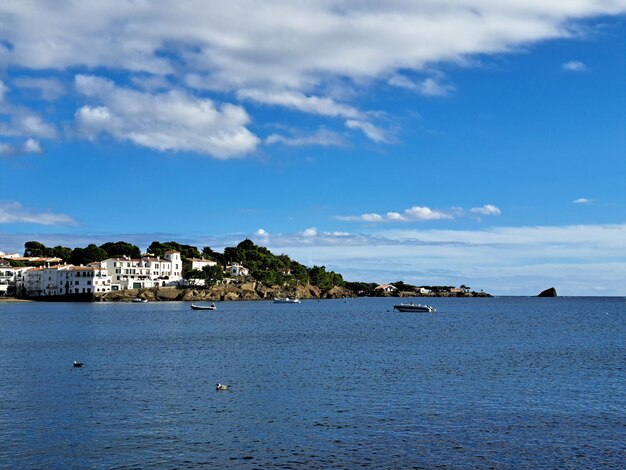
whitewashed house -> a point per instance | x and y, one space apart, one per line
146 272
8 277
63 280
236 269
386 288
198 264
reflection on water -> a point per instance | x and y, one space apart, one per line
510 382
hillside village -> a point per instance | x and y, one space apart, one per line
170 271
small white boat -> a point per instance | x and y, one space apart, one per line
414 308
203 307
140 301
286 300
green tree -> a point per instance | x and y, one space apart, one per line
214 255
87 255
212 274
121 249
35 249
62 252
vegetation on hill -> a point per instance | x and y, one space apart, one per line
264 266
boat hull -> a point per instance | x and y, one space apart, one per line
203 307
414 308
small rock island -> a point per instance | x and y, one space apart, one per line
551 292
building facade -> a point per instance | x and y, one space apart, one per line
146 272
61 280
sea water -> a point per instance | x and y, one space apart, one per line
484 382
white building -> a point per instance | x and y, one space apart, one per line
63 280
8 279
236 269
386 288
201 263
149 271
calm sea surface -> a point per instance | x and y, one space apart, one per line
504 382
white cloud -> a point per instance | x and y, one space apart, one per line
487 209
427 87
412 214
3 90
279 42
322 137
582 200
261 233
425 213
15 213
374 133
310 232
49 88
24 123
301 102
172 121
275 52
31 146
574 66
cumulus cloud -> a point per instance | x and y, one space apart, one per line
419 214
279 42
171 121
28 146
275 52
582 200
412 214
574 66
487 209
24 123
310 232
14 213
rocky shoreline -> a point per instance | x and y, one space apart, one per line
246 291
249 291
223 292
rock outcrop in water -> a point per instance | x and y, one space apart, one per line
551 292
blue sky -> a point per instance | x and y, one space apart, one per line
447 142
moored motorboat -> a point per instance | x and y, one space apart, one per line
139 300
203 307
414 308
286 300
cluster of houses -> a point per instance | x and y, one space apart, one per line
390 289
54 279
